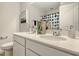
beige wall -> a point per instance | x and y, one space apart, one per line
34 13
9 13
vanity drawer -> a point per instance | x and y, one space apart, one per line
29 52
18 50
44 50
20 40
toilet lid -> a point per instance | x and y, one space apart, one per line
8 45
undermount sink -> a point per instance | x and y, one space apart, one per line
56 38
30 32
76 38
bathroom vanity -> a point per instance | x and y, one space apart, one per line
26 44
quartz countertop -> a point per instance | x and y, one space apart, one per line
69 45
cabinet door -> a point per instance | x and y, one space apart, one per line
19 39
43 50
30 53
18 50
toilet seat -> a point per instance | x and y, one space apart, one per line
7 46
1 52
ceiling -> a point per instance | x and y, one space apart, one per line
65 3
46 5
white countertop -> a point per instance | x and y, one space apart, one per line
70 45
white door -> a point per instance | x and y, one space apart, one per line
18 50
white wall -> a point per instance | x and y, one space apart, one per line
66 17
33 13
76 16
23 5
9 13
54 10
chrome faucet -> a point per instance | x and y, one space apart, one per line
71 27
56 32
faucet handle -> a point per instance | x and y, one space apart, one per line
60 29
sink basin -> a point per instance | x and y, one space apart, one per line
76 38
30 32
56 38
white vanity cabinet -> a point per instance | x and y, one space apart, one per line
43 50
28 47
18 50
29 52
19 46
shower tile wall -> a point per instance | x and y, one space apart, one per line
53 18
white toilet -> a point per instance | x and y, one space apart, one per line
2 53
7 49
